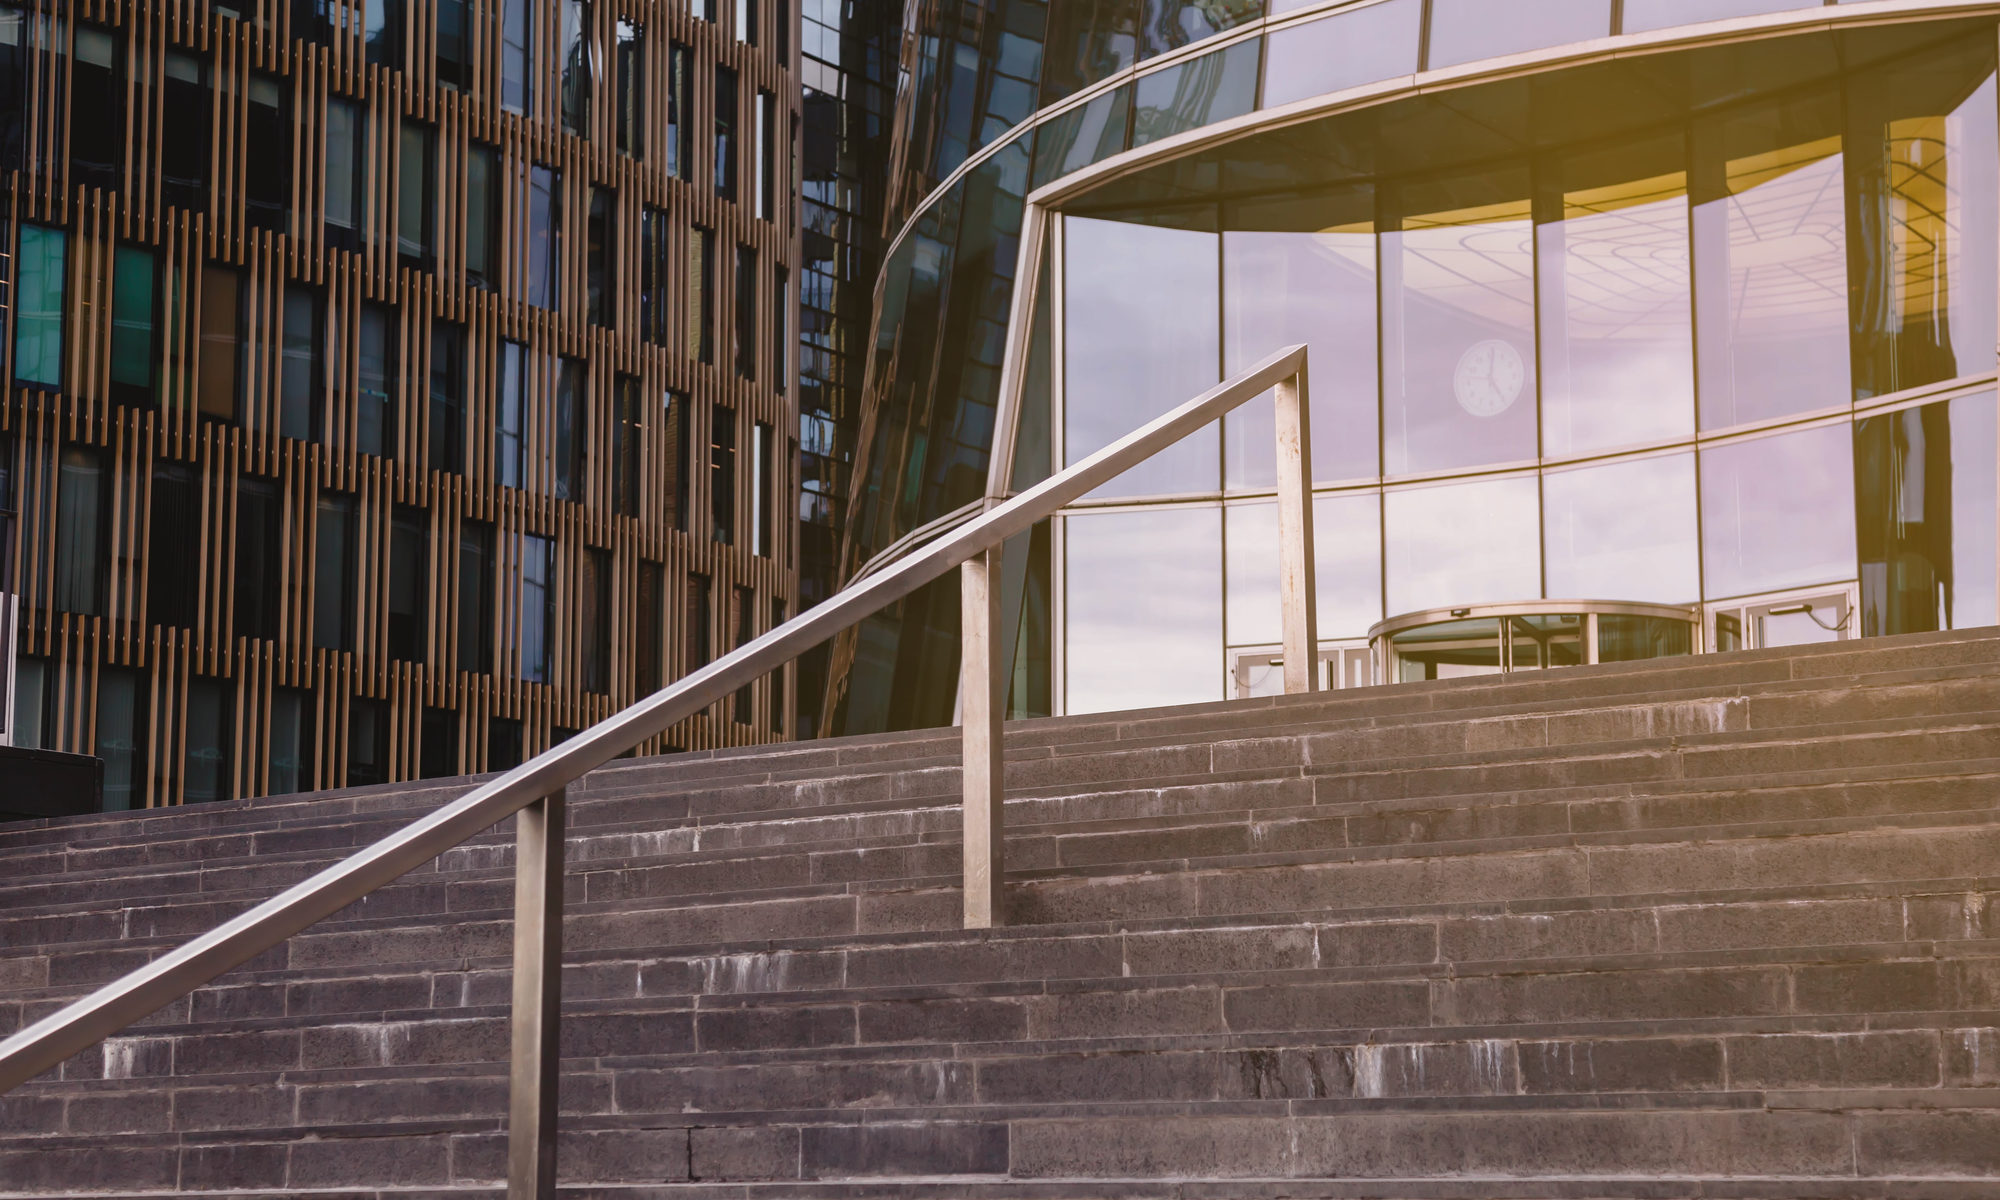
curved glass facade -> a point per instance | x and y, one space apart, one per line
1550 315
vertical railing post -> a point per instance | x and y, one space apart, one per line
537 1057
983 703
1296 583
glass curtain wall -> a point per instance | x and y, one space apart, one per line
1653 368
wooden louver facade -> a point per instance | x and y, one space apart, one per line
428 423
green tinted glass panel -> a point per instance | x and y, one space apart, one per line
38 323
133 289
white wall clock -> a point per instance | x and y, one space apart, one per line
1489 378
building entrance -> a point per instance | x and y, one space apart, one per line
1497 639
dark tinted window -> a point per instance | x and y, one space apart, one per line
267 191
259 557
409 582
333 573
173 549
447 396
184 140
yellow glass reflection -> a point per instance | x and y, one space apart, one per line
1458 336
1770 227
1618 332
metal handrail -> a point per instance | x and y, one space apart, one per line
534 790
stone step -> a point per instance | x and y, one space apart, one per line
281 858
1102 862
1707 927
867 757
1782 1148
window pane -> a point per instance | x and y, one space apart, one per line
134 302
1926 503
1170 24
725 132
299 404
516 33
512 406
409 583
1463 543
701 303
184 141
268 196
578 36
38 322
1191 94
206 770
1142 340
537 606
482 214
82 508
722 475
1770 252
700 622
173 547
1144 603
383 32
571 431
1617 353
416 193
1347 569
292 715
631 87
1923 146
375 417
1088 40
625 430
221 326
259 562
1624 531
1341 51
439 750
1774 512
121 737
1082 136
1458 327
475 597
544 233
34 724
1281 289
333 574
1464 30
453 43
447 397
743 335
96 108
680 111
344 130
601 280
367 743
1642 15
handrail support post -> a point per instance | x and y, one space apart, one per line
983 704
536 1063
1297 585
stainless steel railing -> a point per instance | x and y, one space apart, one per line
533 791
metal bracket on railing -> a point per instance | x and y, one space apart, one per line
983 677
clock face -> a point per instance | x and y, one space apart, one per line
1489 378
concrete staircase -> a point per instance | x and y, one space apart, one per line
1715 927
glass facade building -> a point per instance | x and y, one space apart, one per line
361 356
1687 307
